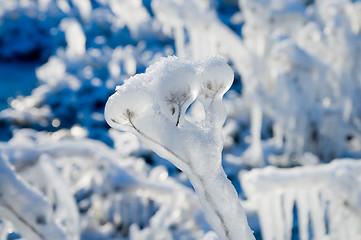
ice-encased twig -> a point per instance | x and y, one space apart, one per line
145 105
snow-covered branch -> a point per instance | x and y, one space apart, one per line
31 213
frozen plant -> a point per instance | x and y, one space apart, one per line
299 80
153 106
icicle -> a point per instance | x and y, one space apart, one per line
287 211
180 41
317 214
277 215
265 217
254 154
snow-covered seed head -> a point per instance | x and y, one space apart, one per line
209 90
177 100
129 114
123 107
216 77
176 87
166 90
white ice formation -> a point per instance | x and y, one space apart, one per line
153 106
325 200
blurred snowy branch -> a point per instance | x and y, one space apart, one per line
326 198
125 193
27 209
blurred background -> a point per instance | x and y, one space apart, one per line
292 139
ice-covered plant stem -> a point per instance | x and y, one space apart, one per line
153 106
28 210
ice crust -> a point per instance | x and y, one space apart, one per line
153 106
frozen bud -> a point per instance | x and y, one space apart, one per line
124 107
216 77
176 87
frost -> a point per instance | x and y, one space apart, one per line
153 106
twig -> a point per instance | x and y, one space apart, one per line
24 221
